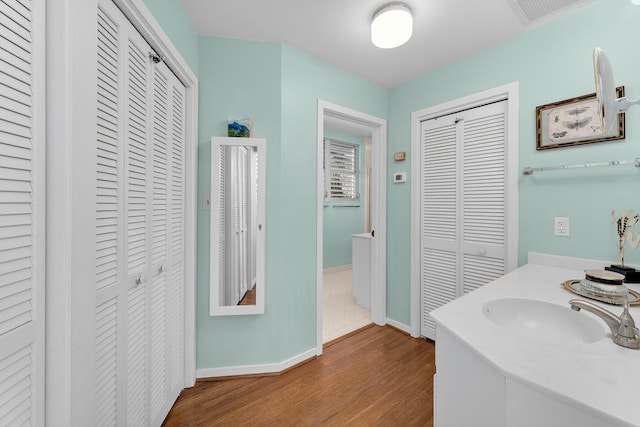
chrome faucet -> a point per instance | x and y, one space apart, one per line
623 328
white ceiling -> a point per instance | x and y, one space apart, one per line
337 31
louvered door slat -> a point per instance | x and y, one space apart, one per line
15 23
480 270
176 244
439 185
136 159
158 393
439 218
137 372
484 186
106 363
16 383
159 237
159 210
439 284
136 405
21 217
108 220
107 209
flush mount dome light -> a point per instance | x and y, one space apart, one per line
392 25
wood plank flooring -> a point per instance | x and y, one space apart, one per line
376 377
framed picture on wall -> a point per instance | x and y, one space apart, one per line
574 121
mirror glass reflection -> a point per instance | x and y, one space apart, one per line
237 225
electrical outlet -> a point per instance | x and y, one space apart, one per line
561 226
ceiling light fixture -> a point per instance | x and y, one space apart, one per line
392 25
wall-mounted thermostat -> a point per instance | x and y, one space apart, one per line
399 177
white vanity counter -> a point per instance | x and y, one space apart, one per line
600 379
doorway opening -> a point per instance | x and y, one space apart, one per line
375 129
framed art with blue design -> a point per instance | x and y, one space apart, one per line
239 127
574 121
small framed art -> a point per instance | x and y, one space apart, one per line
574 121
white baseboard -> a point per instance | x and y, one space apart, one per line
269 368
398 325
337 269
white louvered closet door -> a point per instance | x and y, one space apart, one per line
167 242
439 239
22 213
108 214
463 205
176 218
136 227
140 229
484 195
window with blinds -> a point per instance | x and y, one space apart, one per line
340 170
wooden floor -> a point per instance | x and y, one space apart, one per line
376 377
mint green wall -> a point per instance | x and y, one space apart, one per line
233 84
278 87
552 62
176 24
338 224
305 80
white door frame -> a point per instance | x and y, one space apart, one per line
509 92
378 129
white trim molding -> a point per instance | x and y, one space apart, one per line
400 326
508 92
268 368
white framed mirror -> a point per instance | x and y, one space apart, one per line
238 178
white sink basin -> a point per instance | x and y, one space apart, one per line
543 321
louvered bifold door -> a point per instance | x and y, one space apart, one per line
483 195
159 209
108 216
139 228
439 240
136 218
22 213
176 245
166 315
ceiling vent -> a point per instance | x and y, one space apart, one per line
535 10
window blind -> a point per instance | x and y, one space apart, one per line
341 170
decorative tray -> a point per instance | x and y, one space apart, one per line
576 287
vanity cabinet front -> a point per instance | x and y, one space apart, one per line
471 391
